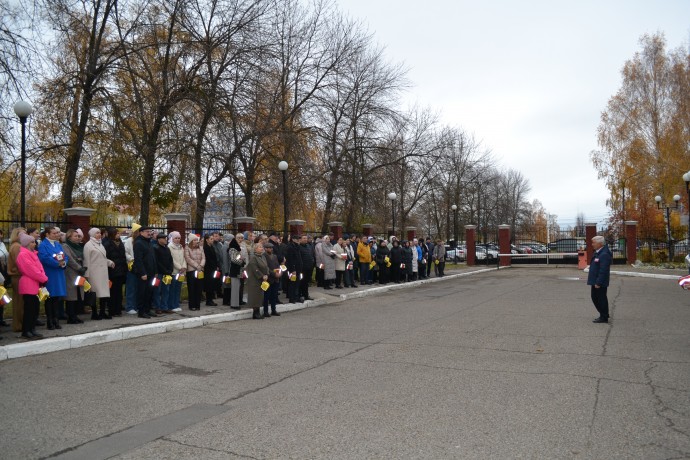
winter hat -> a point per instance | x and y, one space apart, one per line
192 237
135 227
173 235
25 240
228 237
93 231
79 232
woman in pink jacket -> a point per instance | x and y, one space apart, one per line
32 276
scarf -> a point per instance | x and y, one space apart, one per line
77 248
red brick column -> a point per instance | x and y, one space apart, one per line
590 232
79 218
245 224
337 229
631 241
296 226
504 244
411 233
177 222
471 244
367 229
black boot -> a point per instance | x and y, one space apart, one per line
102 304
274 312
50 325
256 314
266 313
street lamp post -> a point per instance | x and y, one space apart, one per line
392 196
686 178
283 166
455 230
676 199
23 109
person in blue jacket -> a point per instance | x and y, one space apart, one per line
598 278
54 261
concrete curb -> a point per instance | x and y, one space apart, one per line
20 350
648 275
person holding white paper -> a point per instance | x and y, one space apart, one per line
195 261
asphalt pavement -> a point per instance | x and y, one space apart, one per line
492 364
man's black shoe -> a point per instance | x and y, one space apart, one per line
143 315
600 320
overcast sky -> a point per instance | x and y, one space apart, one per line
528 78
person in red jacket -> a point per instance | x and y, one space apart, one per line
32 277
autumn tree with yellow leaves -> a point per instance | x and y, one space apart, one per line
644 135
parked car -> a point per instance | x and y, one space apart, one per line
567 245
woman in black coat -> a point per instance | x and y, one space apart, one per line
211 267
382 252
406 273
396 259
115 251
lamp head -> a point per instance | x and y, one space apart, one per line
454 207
283 165
23 109
676 198
657 199
392 196
686 176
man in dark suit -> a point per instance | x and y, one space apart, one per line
598 279
293 261
145 267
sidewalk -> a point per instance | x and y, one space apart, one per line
93 332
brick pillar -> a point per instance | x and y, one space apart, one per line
177 222
471 244
367 229
79 218
590 232
337 229
631 241
411 233
245 224
296 227
504 244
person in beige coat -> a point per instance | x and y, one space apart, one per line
257 273
340 262
97 264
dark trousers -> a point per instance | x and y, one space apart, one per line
271 297
144 294
350 277
319 277
601 302
395 272
31 305
422 270
339 277
293 291
364 272
440 267
193 290
304 283
116 295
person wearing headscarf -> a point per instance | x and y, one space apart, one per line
54 261
257 273
97 264
350 269
18 301
179 268
328 258
238 260
195 260
115 251
32 276
271 294
75 268
406 273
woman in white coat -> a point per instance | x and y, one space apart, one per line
97 264
340 262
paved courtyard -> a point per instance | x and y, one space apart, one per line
499 364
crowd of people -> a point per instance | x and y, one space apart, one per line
73 278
